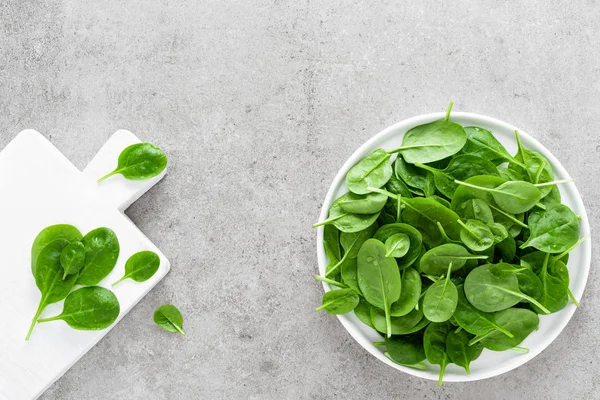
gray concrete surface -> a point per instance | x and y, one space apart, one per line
258 104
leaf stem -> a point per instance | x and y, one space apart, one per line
573 299
120 280
378 344
507 215
482 188
115 172
448 111
41 307
414 146
554 182
328 221
330 281
570 249
520 349
383 191
479 338
50 319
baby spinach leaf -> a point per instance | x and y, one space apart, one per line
506 250
351 243
50 234
101 254
397 325
435 261
555 294
89 309
414 177
331 243
461 167
434 343
440 299
424 214
347 222
349 274
416 240
406 349
372 171
369 203
472 191
140 161
72 258
378 277
499 232
397 186
552 230
431 142
511 196
482 143
340 301
48 278
459 351
476 235
409 294
141 266
169 318
363 312
475 209
489 290
397 245
473 320
518 321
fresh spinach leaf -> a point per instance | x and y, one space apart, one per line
416 240
72 258
472 320
347 222
50 234
372 171
518 321
417 178
476 235
140 161
369 203
409 294
489 290
552 230
435 261
340 301
434 343
141 266
511 196
459 351
49 278
397 325
440 299
424 214
397 245
378 278
475 209
101 254
89 309
406 349
482 143
460 168
432 142
169 318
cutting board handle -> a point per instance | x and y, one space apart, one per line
117 190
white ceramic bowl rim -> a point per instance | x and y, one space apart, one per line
577 285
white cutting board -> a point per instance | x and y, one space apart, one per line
40 187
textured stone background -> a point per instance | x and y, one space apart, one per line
258 104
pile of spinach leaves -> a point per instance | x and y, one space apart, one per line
449 244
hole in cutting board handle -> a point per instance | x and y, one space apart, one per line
117 190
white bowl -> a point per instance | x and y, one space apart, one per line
490 363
